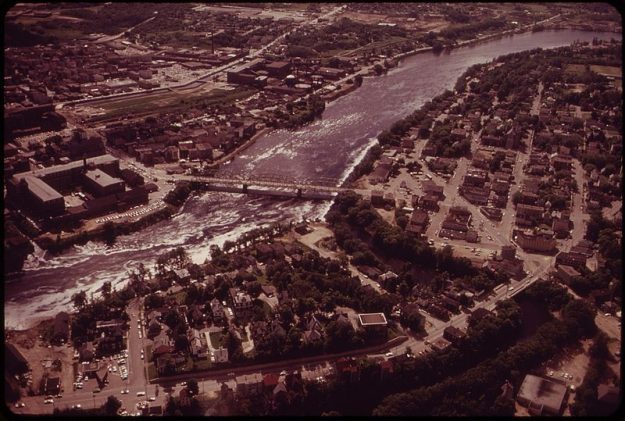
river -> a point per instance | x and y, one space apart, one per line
329 147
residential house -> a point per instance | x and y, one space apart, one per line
197 344
218 310
249 384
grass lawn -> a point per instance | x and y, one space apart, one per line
216 339
203 364
575 68
151 371
608 70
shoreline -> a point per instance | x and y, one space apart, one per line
97 233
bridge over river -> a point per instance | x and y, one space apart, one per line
275 185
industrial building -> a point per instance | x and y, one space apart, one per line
541 396
41 189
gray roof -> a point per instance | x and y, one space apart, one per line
41 189
43 172
101 178
543 392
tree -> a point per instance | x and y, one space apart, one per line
110 233
112 405
79 299
193 387
106 289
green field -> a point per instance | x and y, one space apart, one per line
608 70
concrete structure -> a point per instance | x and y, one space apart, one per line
541 396
39 188
372 319
102 184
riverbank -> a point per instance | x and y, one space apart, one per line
55 243
240 149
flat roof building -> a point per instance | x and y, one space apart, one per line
102 184
541 395
372 319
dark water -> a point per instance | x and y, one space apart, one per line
329 147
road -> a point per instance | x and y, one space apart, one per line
198 82
114 37
136 381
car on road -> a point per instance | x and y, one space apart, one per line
183 384
389 354
151 398
140 394
48 401
510 288
124 391
96 390
20 405
77 406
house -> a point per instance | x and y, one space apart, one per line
184 397
241 301
567 273
576 260
453 334
270 381
387 276
249 384
220 355
314 331
182 275
218 310
197 344
561 227
162 345
532 242
418 221
541 396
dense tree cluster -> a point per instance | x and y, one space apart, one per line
476 391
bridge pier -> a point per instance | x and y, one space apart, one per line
244 188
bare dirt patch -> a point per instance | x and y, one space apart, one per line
37 353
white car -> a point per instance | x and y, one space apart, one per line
139 394
389 354
510 288
48 401
151 398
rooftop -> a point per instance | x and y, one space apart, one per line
101 178
372 319
542 392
